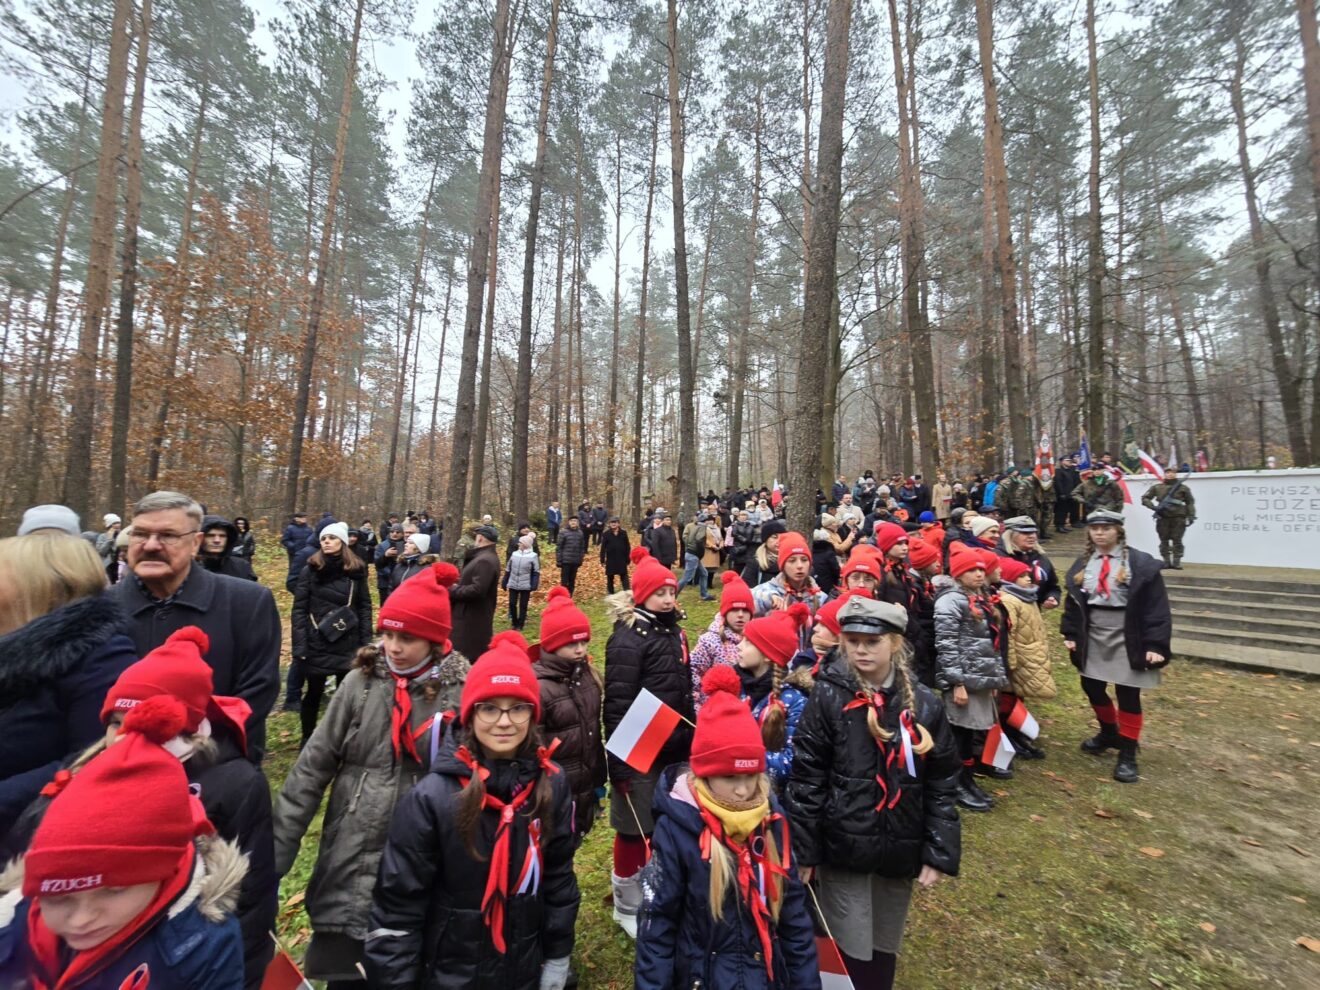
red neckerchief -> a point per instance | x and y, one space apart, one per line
877 701
45 945
497 878
755 869
401 731
1102 579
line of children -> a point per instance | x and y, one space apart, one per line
125 884
377 739
476 885
723 904
719 643
871 798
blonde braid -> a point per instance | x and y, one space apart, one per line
925 743
774 727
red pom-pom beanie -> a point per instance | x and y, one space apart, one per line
736 594
790 545
503 671
727 739
174 668
420 606
649 576
562 622
126 818
778 634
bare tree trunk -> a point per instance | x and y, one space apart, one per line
487 347
1288 378
804 471
806 138
478 260
1311 79
687 427
82 379
402 374
640 381
552 433
302 398
1095 270
738 380
121 417
579 276
523 380
435 397
612 414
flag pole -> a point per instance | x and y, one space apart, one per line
638 822
821 914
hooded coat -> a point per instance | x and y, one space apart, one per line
195 946
679 943
54 675
833 792
428 931
352 752
226 562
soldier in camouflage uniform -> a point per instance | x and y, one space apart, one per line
1098 491
1042 504
1172 517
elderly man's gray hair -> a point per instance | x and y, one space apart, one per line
165 501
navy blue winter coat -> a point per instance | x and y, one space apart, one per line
294 537
679 945
197 947
54 675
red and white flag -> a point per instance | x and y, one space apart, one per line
833 973
1044 467
1022 720
998 752
1149 464
283 974
638 738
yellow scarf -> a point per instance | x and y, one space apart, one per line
739 822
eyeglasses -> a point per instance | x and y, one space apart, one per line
489 714
137 538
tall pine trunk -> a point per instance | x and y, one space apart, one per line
612 413
821 287
96 297
1311 80
687 427
487 348
307 363
1095 265
639 384
738 382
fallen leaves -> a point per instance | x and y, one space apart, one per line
1104 813
1037 818
1299 851
1310 944
1294 897
296 899
1152 852
1143 814
1256 843
1208 928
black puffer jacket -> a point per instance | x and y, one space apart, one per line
824 565
1147 621
899 587
571 547
321 590
833 792
647 651
427 929
570 712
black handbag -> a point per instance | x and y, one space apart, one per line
338 622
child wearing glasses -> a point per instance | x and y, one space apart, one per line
380 735
476 885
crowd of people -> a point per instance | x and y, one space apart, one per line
830 725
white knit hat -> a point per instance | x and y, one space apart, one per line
982 523
336 529
421 541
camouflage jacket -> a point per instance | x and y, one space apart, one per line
1181 506
1094 495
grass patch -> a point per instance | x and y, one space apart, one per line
1055 890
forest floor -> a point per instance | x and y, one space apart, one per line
1206 874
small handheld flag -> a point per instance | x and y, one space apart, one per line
643 731
998 752
283 974
1022 720
833 973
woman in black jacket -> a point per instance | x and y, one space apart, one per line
1117 626
648 649
246 546
331 618
476 885
871 798
570 550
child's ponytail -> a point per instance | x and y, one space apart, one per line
774 726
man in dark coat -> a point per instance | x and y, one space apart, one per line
1066 480
472 599
167 591
219 536
614 550
661 539
295 534
388 552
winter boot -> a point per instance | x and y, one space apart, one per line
978 790
970 796
1125 771
627 899
1026 749
1177 563
1105 739
992 771
1164 556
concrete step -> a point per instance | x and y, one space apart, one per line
1252 658
1201 582
1219 622
1244 597
1309 644
1262 611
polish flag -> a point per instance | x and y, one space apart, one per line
638 738
998 752
283 974
1149 464
833 973
1022 720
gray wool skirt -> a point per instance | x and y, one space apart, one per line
1106 652
865 913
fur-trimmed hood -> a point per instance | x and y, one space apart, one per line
619 607
452 669
214 888
52 646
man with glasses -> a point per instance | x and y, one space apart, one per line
167 590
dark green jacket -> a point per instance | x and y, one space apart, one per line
1181 506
